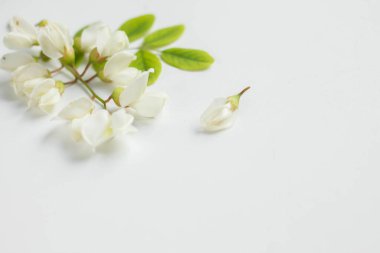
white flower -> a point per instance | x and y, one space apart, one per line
94 35
45 95
25 78
22 34
100 127
55 41
221 114
77 109
12 61
140 103
100 36
149 105
117 68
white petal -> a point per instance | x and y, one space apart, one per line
30 71
121 121
26 73
150 104
28 86
40 90
133 92
77 109
125 77
96 35
76 128
118 63
20 25
14 60
48 47
116 43
15 40
96 128
55 39
49 100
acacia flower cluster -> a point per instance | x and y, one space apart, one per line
42 51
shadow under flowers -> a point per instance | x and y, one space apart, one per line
78 150
59 134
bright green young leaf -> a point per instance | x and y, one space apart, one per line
80 31
146 60
164 37
79 57
77 45
187 59
137 27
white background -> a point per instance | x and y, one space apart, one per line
299 172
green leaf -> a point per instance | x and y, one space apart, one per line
79 57
187 59
137 27
78 42
79 32
146 60
164 37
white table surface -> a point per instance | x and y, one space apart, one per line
299 172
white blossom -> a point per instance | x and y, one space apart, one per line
221 114
45 95
117 69
77 109
12 61
100 126
22 34
139 102
25 78
107 42
218 116
56 41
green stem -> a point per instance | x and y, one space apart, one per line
85 84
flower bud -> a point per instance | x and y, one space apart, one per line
60 86
116 95
221 114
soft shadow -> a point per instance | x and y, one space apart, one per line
6 91
200 131
78 150
60 137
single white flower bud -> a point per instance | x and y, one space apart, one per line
13 61
27 77
22 34
221 114
101 126
56 42
45 95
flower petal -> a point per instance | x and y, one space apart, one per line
49 100
20 25
133 92
96 128
150 104
40 89
117 42
14 40
118 63
12 61
121 121
48 46
77 109
96 35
